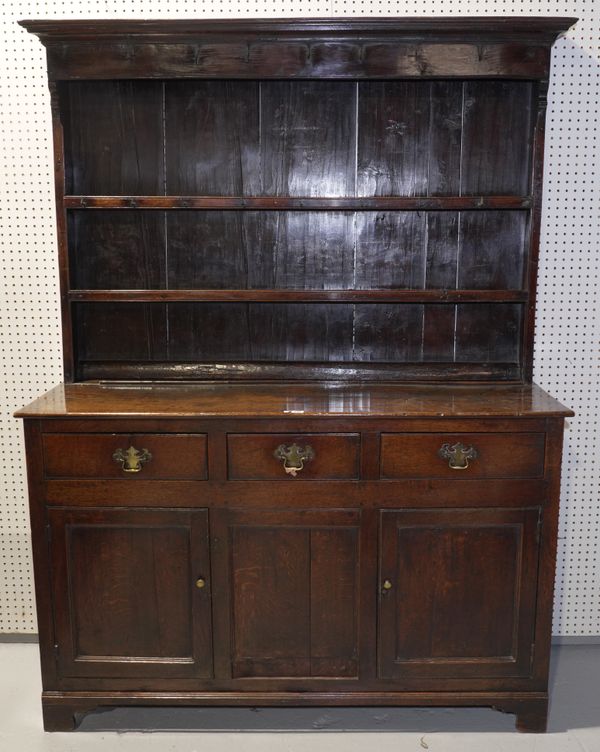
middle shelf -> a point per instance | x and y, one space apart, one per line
314 203
304 296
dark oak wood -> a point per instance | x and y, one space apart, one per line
231 371
413 455
294 580
272 203
251 456
113 137
267 229
118 252
281 296
282 401
176 456
310 185
61 233
125 598
357 57
546 28
480 563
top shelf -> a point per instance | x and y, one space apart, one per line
345 203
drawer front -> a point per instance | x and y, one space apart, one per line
118 455
461 456
277 456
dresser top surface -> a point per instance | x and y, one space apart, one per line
270 400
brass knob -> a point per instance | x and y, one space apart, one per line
132 459
387 585
458 455
294 457
200 582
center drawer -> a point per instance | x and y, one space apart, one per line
281 456
121 455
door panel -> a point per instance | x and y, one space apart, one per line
294 584
126 599
457 592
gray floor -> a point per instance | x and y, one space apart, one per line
574 720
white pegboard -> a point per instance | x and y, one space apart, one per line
568 322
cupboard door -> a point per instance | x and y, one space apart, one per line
132 592
457 592
293 582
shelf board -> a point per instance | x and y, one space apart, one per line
300 296
281 203
424 372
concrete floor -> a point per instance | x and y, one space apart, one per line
574 720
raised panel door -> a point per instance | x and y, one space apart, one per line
457 592
293 581
131 592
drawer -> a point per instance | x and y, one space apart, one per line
473 455
277 456
119 455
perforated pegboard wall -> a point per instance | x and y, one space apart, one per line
568 323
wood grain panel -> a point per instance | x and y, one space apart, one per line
374 58
208 250
121 611
409 138
271 600
334 580
440 273
442 250
390 247
290 571
113 137
212 137
251 456
260 332
88 455
120 332
273 250
415 455
145 605
388 333
445 138
492 250
497 133
300 332
459 583
393 138
308 138
300 250
122 250
209 331
438 333
488 333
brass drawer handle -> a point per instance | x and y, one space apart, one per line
132 459
294 457
458 455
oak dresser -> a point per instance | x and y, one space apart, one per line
298 458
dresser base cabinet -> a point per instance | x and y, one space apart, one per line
167 580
